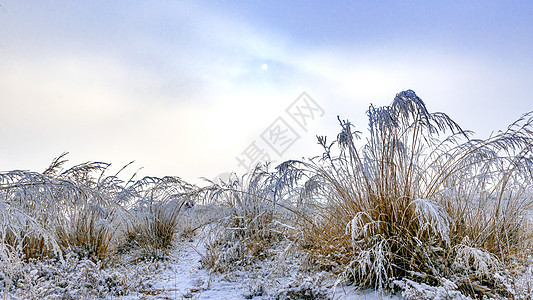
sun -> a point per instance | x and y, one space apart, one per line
264 67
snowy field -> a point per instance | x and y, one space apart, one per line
409 215
181 274
184 277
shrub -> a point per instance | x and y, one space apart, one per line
73 208
420 200
88 234
156 214
254 222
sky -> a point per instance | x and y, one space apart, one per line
201 88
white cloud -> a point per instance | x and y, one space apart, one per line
182 90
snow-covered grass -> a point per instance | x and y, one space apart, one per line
252 222
417 209
420 200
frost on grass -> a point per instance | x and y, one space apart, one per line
254 218
474 259
414 205
421 200
305 287
75 278
421 291
85 212
433 219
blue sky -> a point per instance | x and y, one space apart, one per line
178 86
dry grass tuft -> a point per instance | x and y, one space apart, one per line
84 210
88 234
154 230
254 220
156 215
420 200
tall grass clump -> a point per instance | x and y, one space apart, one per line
254 219
83 215
155 214
419 199
83 210
74 209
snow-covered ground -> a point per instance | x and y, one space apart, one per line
184 277
181 275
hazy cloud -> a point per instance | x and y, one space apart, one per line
179 87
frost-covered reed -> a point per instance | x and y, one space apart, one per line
83 210
254 214
422 200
